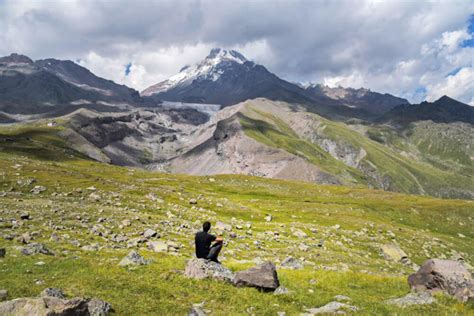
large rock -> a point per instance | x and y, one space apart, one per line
291 263
52 302
448 276
263 277
202 269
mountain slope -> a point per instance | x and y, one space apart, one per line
443 110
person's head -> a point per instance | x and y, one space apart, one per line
206 226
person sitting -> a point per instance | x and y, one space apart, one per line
203 241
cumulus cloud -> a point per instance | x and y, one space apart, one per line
407 48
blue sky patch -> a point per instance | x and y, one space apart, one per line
470 30
128 69
453 72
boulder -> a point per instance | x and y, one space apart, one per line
415 298
98 307
393 252
448 276
202 269
38 189
133 259
36 248
263 277
331 308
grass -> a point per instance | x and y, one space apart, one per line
348 263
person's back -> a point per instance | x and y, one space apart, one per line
203 241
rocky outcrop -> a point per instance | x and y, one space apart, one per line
416 298
448 276
264 277
53 302
133 259
202 269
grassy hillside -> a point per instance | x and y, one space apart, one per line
419 161
345 228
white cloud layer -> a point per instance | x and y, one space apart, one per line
407 48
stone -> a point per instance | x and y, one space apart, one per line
97 307
448 276
25 216
94 197
36 248
149 233
268 218
51 305
197 310
38 189
393 252
281 290
157 246
193 201
291 263
3 252
264 277
3 295
415 298
133 259
332 308
44 306
342 298
202 269
52 292
222 226
299 234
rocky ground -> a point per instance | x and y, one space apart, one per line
125 235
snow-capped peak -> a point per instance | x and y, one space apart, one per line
208 69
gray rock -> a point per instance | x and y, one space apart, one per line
44 306
222 226
343 298
133 259
448 276
332 308
3 252
157 246
36 248
263 277
149 233
415 298
393 252
281 290
291 263
3 295
53 292
25 216
193 201
98 307
202 269
38 189
197 310
299 234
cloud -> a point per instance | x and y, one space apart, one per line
394 47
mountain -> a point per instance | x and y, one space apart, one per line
373 102
51 85
226 77
443 110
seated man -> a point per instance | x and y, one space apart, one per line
203 242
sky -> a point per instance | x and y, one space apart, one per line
419 50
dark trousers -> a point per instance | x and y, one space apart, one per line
214 252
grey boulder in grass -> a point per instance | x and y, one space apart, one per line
264 277
448 276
